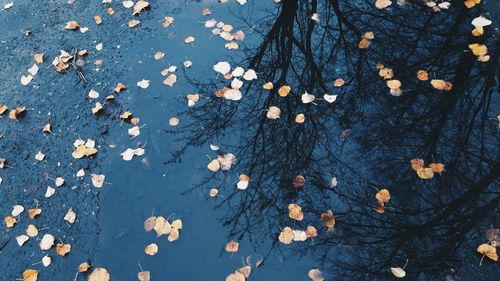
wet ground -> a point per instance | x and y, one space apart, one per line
347 150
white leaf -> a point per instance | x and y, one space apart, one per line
33 70
222 67
17 210
143 83
333 182
242 185
21 239
46 260
236 83
233 94
398 272
250 75
47 242
330 98
50 191
128 4
481 21
25 80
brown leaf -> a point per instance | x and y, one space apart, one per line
232 246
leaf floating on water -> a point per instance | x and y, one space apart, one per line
129 153
10 221
488 251
149 224
222 67
295 212
63 249
243 182
144 276
46 261
99 274
213 192
236 276
21 239
144 84
25 80
72 25
17 210
232 246
273 113
140 6
315 275
382 4
47 242
151 249
286 235
307 98
161 226
70 216
30 275
97 180
398 272
83 267
173 121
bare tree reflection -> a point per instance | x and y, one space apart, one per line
434 224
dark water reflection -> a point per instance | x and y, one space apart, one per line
435 224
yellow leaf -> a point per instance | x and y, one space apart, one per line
489 251
30 275
151 249
283 91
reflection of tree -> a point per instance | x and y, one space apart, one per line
435 224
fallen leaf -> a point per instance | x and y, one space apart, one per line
83 267
143 83
30 275
144 276
315 275
21 239
151 249
232 246
286 235
149 223
97 180
72 25
39 156
31 231
63 249
273 113
47 242
329 219
398 272
25 80
70 216
99 274
295 212
17 210
161 226
488 250
10 221
140 6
